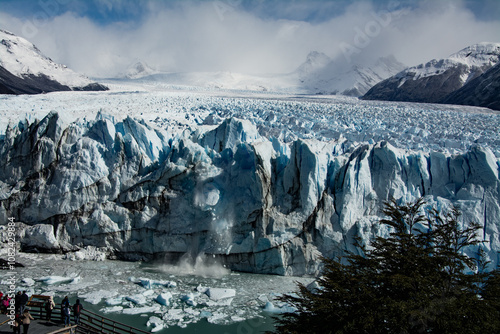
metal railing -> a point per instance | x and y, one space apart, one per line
66 330
90 322
98 324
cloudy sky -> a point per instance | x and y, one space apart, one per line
103 37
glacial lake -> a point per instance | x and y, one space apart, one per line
127 292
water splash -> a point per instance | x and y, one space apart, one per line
202 265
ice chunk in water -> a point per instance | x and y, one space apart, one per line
138 299
218 293
189 299
156 323
113 309
49 280
205 314
271 308
164 298
28 281
96 296
114 301
141 310
150 284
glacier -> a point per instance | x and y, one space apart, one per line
261 185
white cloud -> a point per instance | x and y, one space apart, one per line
201 37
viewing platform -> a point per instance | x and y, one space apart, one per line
37 326
90 322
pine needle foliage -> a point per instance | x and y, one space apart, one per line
417 280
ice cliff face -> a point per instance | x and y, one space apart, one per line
257 205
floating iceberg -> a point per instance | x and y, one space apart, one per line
271 308
50 280
141 310
138 299
156 323
164 298
218 293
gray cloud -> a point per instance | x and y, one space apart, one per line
224 36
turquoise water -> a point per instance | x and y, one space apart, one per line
250 326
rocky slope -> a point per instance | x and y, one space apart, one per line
484 91
435 80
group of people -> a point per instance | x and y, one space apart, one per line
21 312
23 317
66 309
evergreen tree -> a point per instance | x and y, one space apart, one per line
417 280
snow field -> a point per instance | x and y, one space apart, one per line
413 126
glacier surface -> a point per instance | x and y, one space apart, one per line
262 184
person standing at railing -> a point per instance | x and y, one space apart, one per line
26 319
77 309
49 306
17 301
23 300
65 312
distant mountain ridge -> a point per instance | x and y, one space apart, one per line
435 80
25 70
318 74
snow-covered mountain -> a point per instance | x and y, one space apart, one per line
25 70
315 62
220 80
139 70
319 74
263 186
436 79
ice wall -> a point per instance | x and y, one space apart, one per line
256 204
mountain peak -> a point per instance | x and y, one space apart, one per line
139 69
478 49
25 69
478 54
433 81
315 57
315 60
321 74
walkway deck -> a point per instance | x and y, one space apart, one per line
37 326
90 322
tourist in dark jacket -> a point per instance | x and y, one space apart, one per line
17 301
65 311
23 300
77 309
